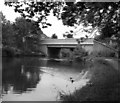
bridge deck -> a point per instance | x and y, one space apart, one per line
67 42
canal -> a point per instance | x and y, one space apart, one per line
41 79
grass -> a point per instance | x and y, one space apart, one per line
103 86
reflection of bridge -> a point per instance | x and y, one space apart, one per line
52 47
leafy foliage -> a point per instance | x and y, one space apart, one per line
98 14
103 15
7 31
25 29
38 10
68 34
20 35
65 53
54 36
79 53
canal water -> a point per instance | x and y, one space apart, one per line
41 79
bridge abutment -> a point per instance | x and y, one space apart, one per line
44 49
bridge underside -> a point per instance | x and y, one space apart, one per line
54 52
52 47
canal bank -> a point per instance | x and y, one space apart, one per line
42 79
104 84
38 79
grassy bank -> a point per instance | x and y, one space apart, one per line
104 85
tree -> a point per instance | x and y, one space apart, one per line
3 20
21 35
27 34
90 13
7 31
79 53
54 36
39 10
68 34
97 14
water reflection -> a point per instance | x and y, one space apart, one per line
63 68
18 77
40 79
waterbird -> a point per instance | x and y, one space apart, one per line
71 79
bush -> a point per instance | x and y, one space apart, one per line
65 53
7 51
79 53
105 54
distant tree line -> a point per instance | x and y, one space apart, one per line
21 35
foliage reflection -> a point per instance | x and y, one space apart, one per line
19 77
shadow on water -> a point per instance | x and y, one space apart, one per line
65 63
19 77
63 68
39 79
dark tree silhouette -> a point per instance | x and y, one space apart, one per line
18 78
68 35
54 36
20 35
97 14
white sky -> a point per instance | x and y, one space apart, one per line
8 11
57 27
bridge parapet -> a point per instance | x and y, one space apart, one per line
65 41
51 47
